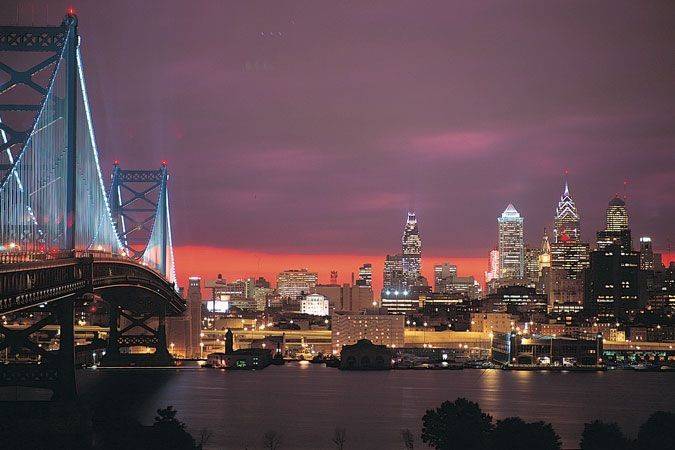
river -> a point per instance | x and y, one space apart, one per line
305 402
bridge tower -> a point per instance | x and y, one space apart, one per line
57 49
59 243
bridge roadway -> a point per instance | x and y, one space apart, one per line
29 284
135 295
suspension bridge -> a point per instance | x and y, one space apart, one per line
64 238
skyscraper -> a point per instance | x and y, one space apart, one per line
511 245
194 300
412 250
441 272
393 272
648 259
365 275
532 268
616 226
566 222
567 250
613 281
493 266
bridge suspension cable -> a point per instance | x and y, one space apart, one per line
34 192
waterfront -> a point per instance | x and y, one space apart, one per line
306 402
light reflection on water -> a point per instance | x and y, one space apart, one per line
306 402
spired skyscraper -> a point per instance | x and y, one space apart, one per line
412 250
511 244
567 250
566 222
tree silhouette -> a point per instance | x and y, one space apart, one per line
513 433
169 433
340 437
658 432
408 439
599 435
456 425
272 440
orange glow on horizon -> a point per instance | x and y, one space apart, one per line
208 262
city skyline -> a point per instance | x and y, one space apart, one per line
457 125
425 193
462 125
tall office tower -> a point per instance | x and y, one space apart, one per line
532 269
441 272
412 250
365 275
648 259
566 222
393 272
573 257
567 250
493 266
293 283
612 282
616 226
511 246
194 300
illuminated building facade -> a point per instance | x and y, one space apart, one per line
393 272
566 223
616 229
412 250
612 283
493 266
532 269
545 254
648 259
442 271
296 282
373 324
454 284
572 256
516 299
365 275
399 301
314 305
511 245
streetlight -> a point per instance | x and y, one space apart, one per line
172 346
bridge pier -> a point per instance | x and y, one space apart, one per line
54 370
125 322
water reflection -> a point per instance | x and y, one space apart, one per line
306 402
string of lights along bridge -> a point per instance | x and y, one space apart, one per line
64 239
53 199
